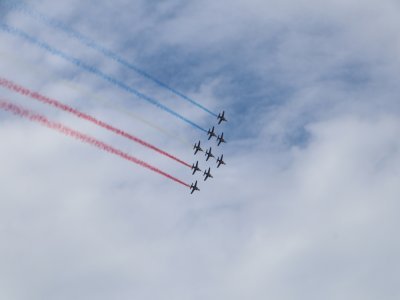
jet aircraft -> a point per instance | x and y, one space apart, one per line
221 117
211 133
209 154
197 148
207 174
195 167
221 139
194 187
220 161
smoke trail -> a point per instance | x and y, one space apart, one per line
32 69
123 110
16 32
16 110
34 95
32 12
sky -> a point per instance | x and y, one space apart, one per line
307 205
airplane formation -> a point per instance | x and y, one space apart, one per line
115 82
208 153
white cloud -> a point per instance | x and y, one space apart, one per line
306 208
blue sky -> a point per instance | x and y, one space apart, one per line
306 207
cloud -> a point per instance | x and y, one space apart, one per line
306 206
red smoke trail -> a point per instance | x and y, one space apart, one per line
24 91
19 111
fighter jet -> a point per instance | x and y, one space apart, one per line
207 174
194 187
220 161
221 117
211 133
197 148
221 139
209 154
195 167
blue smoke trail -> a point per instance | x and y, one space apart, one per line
30 11
16 32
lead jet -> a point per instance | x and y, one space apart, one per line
195 167
207 174
221 117
211 133
194 187
221 139
197 148
209 154
220 161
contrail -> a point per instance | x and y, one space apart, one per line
70 83
16 32
32 12
19 111
34 95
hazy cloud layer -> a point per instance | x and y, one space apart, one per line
307 205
